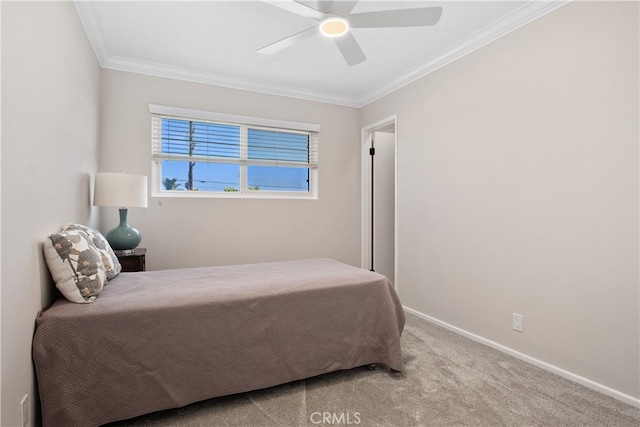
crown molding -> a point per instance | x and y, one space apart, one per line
520 17
232 82
89 18
529 12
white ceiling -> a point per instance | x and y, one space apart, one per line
215 42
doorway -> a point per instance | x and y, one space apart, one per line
379 211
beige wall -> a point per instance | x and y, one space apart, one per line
50 100
200 232
518 191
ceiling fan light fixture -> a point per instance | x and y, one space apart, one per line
334 26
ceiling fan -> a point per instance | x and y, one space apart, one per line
335 20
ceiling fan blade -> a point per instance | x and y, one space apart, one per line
324 6
420 17
350 49
288 41
297 8
343 7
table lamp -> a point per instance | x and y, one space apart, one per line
123 191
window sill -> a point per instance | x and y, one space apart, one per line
233 195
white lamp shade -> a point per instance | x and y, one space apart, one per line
120 190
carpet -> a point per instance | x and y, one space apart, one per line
449 380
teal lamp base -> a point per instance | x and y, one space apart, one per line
123 237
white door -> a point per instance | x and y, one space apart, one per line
384 204
379 198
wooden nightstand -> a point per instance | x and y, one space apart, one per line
133 262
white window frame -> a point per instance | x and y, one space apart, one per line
157 189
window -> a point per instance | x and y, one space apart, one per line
204 154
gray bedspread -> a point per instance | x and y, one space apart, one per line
163 339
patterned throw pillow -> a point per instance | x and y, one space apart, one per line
76 265
111 264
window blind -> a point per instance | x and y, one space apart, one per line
180 138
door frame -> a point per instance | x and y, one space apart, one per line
365 163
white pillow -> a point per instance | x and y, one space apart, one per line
76 265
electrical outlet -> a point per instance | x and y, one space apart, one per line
24 410
517 322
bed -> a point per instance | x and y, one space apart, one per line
163 339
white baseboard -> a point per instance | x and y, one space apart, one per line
539 363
